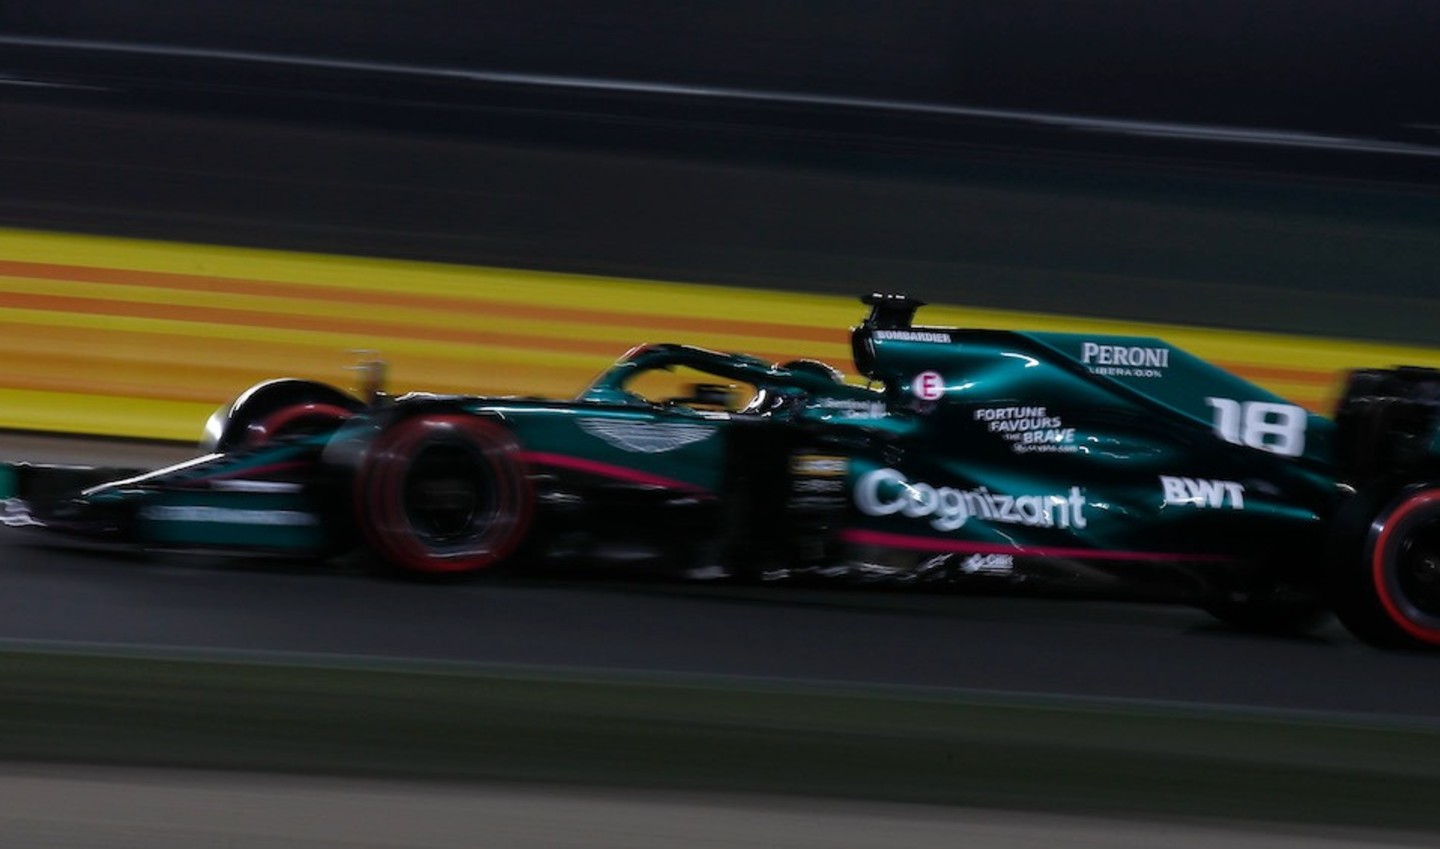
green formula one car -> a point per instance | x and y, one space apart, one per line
1001 461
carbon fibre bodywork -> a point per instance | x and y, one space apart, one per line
999 460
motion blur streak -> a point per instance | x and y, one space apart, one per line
133 338
1085 123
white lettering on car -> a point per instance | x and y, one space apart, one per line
988 564
1122 355
819 465
885 492
848 409
1028 429
1203 493
1267 426
913 335
1124 360
227 515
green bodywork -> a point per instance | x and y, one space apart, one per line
991 446
1123 447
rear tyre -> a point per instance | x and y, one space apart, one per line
443 494
1385 585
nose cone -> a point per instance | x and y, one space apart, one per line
74 514
80 516
70 499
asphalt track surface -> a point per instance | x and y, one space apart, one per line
57 594
158 809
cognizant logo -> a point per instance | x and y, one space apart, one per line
885 492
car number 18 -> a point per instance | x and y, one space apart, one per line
1277 428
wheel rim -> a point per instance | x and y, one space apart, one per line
444 494
1417 570
1406 565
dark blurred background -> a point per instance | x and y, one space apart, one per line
1258 165
1265 164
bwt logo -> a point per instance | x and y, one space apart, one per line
1198 492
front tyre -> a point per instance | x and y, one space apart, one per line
443 494
276 409
1390 594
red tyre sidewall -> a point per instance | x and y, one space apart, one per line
379 488
1386 537
276 423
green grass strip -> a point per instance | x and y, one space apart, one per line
920 746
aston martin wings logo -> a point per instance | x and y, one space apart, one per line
646 437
